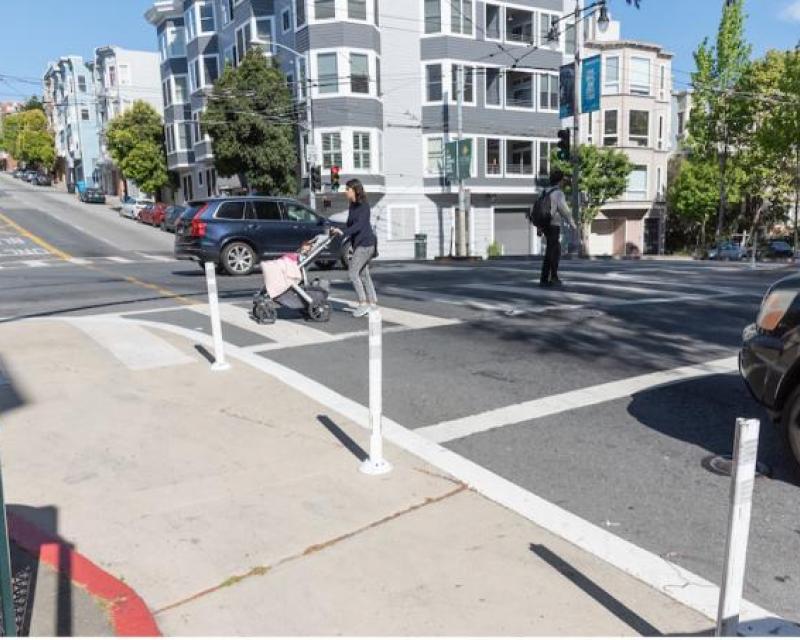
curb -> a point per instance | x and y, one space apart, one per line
129 614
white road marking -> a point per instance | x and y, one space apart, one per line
551 405
156 258
35 263
134 346
119 260
408 319
667 577
80 261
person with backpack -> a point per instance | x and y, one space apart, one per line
550 212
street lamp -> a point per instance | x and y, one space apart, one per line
603 20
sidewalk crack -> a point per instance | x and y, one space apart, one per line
313 549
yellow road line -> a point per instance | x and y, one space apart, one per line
67 258
35 239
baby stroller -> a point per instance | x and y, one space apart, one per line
309 298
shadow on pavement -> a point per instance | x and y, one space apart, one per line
46 519
10 396
342 437
703 412
595 591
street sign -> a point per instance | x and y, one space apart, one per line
458 160
590 84
566 91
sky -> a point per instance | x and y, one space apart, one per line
34 33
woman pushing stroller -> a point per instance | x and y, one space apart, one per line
365 247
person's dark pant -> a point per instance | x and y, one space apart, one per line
552 254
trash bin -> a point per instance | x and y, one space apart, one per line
420 246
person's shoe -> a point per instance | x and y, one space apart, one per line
555 282
373 307
361 310
545 285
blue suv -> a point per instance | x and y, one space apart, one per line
237 233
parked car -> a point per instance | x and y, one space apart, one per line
727 251
237 233
153 214
770 359
132 208
29 176
776 249
42 180
171 217
93 196
18 173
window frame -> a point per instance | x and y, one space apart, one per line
534 90
633 195
440 16
333 152
534 26
501 88
427 100
636 140
197 6
612 88
366 79
426 172
540 76
447 18
500 15
361 153
286 12
333 18
615 133
335 82
534 158
389 211
502 165
638 88
453 87
300 14
187 93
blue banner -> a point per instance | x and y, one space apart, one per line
566 91
590 84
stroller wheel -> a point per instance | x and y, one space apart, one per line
319 312
264 311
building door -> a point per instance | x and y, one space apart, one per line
514 233
652 236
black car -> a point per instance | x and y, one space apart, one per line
237 233
29 176
93 196
42 180
770 358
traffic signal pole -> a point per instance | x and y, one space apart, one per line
576 165
311 160
461 219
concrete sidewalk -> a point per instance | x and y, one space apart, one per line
233 505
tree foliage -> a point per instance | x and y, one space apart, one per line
33 103
135 141
27 139
249 118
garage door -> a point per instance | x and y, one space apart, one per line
514 233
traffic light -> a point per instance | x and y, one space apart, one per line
316 179
563 144
334 178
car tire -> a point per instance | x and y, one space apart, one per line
790 426
238 259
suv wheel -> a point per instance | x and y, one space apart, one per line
238 259
790 425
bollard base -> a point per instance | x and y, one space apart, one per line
375 467
220 366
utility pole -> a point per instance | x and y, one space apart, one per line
576 165
311 159
796 192
461 221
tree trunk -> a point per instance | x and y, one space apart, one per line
723 190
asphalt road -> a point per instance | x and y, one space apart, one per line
632 462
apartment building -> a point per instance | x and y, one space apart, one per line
635 117
383 90
122 77
70 105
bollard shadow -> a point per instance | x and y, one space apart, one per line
24 521
703 412
205 353
595 591
343 438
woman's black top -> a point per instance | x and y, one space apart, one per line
359 229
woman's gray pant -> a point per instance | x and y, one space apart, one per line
359 275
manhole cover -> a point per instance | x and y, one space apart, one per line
723 465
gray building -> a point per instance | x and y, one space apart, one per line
382 79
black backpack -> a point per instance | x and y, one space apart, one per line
540 214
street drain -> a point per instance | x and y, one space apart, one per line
723 466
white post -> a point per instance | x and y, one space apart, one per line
375 464
216 324
745 451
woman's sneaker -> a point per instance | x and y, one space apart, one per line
361 310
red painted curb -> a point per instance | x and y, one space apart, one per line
129 614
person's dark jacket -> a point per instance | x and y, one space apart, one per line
359 229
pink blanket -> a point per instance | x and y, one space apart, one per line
280 274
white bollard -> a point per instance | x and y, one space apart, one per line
375 465
745 452
216 324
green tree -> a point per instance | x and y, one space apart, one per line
136 143
11 125
603 177
145 165
253 132
34 144
715 127
693 197
33 104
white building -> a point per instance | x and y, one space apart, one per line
635 117
122 77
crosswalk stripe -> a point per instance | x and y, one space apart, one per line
156 258
408 319
571 400
34 263
119 260
134 346
80 261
